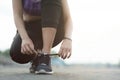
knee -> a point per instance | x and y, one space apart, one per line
20 58
51 13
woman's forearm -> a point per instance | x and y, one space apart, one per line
67 19
18 18
21 28
68 28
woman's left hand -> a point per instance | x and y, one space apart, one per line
65 49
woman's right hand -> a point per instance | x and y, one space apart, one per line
27 47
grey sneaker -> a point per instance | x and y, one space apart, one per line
34 64
32 68
44 65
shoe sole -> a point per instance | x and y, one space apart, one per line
32 71
43 72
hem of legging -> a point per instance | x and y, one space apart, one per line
49 26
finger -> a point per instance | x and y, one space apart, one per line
28 49
69 55
60 52
65 53
38 51
23 50
70 52
33 51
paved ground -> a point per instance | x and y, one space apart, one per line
61 73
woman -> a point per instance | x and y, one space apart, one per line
41 25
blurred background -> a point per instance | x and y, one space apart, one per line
96 33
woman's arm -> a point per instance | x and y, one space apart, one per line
27 46
67 19
66 46
18 18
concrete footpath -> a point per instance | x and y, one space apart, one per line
60 73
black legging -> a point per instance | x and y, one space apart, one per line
34 31
51 16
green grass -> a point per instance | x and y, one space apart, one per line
5 52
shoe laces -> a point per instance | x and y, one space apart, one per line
44 59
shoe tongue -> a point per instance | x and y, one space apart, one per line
43 64
44 58
44 53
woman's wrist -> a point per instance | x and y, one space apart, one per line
67 38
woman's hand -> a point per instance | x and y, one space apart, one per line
27 47
65 49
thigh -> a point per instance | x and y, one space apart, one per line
52 16
34 30
51 12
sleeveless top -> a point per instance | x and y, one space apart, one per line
32 7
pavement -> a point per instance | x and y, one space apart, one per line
60 73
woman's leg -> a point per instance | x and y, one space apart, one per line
50 16
33 28
48 38
15 51
51 12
